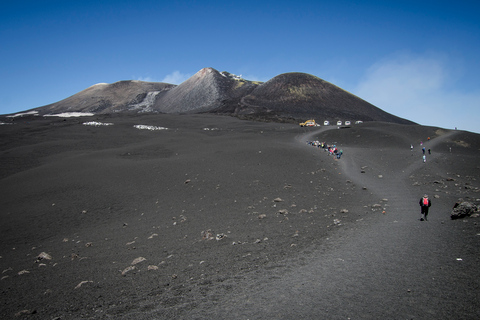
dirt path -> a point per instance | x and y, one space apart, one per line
393 267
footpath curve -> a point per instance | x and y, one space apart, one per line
392 267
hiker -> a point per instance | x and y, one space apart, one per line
425 203
424 159
423 150
411 147
429 151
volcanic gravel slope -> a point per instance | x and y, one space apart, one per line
205 216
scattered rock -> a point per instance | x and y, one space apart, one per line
23 272
82 283
220 236
283 211
128 269
187 181
138 260
207 235
23 312
43 256
344 211
277 200
7 270
152 267
262 216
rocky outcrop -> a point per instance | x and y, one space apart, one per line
464 209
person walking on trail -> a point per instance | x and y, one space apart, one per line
425 203
423 150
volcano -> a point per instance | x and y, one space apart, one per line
286 97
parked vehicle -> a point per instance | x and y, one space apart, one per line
339 123
326 123
309 123
357 122
347 123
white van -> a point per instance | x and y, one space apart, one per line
339 123
326 123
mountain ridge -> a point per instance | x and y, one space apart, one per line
285 97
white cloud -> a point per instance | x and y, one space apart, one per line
147 79
421 89
176 77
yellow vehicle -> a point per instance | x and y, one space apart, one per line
309 123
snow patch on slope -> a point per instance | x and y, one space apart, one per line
70 114
147 103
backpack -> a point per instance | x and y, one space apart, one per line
425 201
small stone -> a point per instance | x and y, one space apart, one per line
138 260
44 256
128 269
220 236
82 283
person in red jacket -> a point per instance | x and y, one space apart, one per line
425 203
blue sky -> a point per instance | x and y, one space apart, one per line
415 59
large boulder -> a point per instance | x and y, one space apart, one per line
463 209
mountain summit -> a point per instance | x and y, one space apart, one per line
286 96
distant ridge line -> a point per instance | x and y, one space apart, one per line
286 97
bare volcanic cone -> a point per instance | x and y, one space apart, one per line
205 91
120 96
301 95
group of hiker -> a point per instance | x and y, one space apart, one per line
424 202
331 149
424 150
